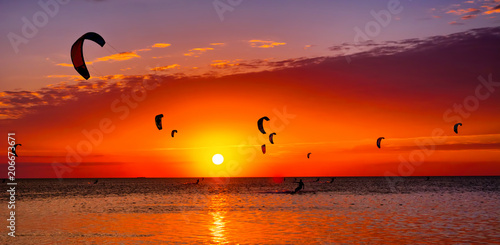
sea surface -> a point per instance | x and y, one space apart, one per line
414 210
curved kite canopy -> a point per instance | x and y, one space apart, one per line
260 122
263 148
173 132
158 121
455 128
379 140
77 52
308 154
14 149
271 138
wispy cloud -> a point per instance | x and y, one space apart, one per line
196 52
453 143
110 58
456 23
161 45
71 65
483 7
223 63
218 44
464 11
163 68
14 104
309 46
264 44
119 57
466 17
492 10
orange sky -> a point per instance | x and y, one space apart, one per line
329 106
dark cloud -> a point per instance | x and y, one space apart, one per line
466 17
474 12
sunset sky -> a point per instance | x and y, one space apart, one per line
331 76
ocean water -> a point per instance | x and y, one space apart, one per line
256 211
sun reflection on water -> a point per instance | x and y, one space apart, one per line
218 211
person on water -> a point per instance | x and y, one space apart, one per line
198 181
333 179
301 186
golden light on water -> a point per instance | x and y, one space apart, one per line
218 212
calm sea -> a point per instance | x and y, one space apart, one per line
256 211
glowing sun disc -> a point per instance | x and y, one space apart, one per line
217 159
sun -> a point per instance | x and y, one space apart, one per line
217 159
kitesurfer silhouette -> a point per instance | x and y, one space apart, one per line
301 186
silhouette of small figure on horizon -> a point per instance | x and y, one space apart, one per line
198 181
333 179
300 187
95 182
